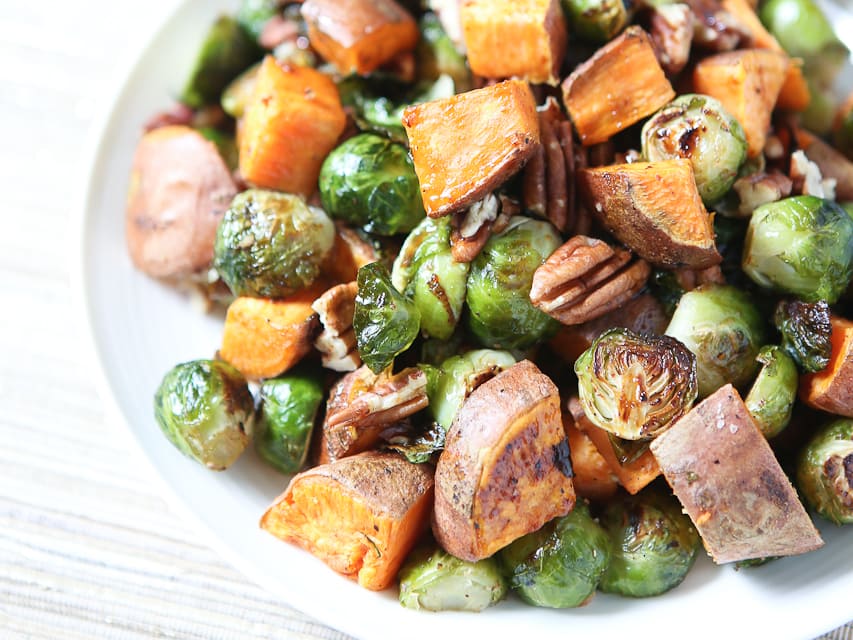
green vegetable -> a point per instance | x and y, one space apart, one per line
437 55
636 386
698 128
226 51
289 406
370 181
271 244
806 332
237 94
771 398
205 409
802 245
724 330
561 564
434 580
254 14
386 322
225 144
825 471
654 544
498 296
458 376
596 20
425 271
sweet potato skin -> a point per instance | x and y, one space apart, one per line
506 468
179 190
457 156
832 389
360 515
514 38
730 484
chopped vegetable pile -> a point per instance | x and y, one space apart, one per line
529 297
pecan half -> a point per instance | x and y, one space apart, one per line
362 404
336 342
472 228
671 28
760 188
585 278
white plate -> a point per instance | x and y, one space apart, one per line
139 329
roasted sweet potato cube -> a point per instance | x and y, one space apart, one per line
619 85
291 123
506 469
360 515
747 82
593 478
465 146
832 389
655 209
514 38
729 482
359 36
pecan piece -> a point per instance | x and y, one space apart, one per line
585 278
671 28
336 342
472 228
362 404
760 188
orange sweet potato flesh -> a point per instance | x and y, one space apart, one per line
263 338
832 389
730 484
360 515
619 86
514 38
505 470
593 478
179 190
291 123
349 253
655 209
633 475
359 36
747 82
467 145
794 94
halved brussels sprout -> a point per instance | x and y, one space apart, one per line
370 181
801 245
434 580
498 296
438 56
205 409
596 20
458 376
386 322
724 330
271 244
561 564
825 471
698 128
636 386
288 409
425 271
806 332
771 398
654 545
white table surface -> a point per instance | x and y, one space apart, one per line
88 549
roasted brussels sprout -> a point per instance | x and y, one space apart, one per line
438 56
825 471
205 409
434 580
286 418
771 398
426 272
370 181
271 244
801 245
596 21
237 94
725 331
561 564
226 51
458 376
636 386
498 296
806 332
654 544
698 128
386 322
